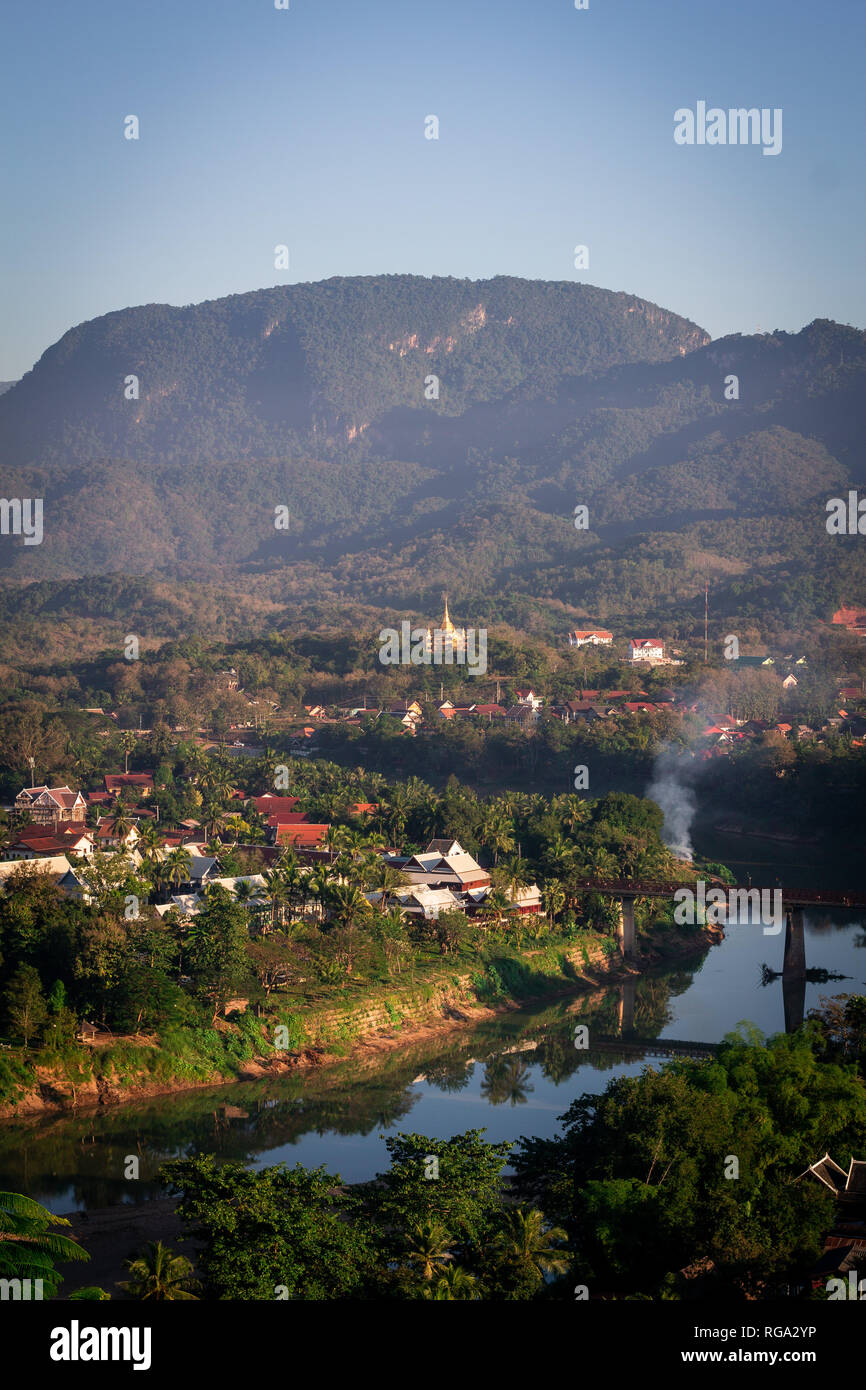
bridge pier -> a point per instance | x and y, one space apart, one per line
625 927
625 1014
794 970
794 963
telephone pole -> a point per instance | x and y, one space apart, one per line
706 617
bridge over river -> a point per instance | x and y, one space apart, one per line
745 899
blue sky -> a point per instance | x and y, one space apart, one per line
306 127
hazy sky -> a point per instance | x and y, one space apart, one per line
306 127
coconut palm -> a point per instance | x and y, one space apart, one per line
453 1284
427 1248
554 900
28 1249
158 1275
349 904
176 866
533 1247
515 875
149 839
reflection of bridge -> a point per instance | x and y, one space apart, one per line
748 897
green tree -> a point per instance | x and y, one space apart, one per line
158 1275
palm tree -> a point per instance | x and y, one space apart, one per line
27 1248
452 1285
158 1275
531 1246
123 821
176 866
427 1247
388 880
127 743
349 903
497 832
246 892
554 900
515 875
575 812
235 825
495 906
320 887
397 813
148 839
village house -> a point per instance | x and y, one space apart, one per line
51 804
529 698
140 782
45 841
444 864
647 649
300 836
590 637
108 838
852 618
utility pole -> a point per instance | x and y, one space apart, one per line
706 617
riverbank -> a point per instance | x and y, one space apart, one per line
364 1026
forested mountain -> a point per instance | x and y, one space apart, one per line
312 397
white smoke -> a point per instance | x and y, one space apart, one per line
671 789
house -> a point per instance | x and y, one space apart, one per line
790 682
849 1188
852 618
363 808
51 804
107 837
529 698
301 836
590 637
444 864
269 803
574 710
489 712
401 708
315 711
428 902
57 869
140 782
43 841
650 649
524 715
526 902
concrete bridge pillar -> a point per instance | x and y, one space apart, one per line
625 927
626 1006
794 964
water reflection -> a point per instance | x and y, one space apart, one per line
516 1074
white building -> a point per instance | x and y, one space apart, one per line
648 649
590 637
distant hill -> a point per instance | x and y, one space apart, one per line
551 395
6 386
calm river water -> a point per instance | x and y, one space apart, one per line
514 1076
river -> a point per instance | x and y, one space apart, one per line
512 1076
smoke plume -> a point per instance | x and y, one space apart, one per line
671 788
